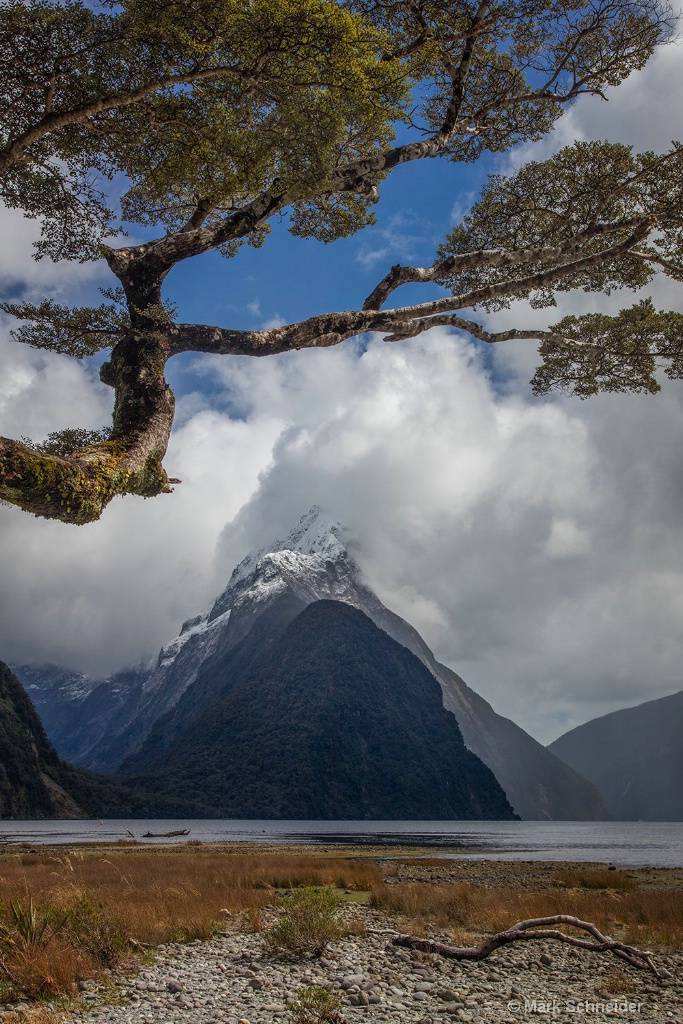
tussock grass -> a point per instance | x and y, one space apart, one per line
308 922
37 1014
595 878
78 914
616 983
643 918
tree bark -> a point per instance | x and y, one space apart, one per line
535 928
78 487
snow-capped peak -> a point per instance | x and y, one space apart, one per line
316 533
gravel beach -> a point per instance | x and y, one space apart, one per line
234 979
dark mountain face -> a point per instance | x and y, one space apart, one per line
83 717
634 758
25 755
101 723
36 783
326 717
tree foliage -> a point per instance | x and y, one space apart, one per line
217 115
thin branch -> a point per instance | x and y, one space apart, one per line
52 121
524 285
202 210
671 268
399 275
160 254
459 76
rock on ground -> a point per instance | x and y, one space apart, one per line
233 979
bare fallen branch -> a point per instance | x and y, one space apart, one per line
534 928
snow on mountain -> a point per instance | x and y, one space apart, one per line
316 533
312 561
70 686
313 564
301 560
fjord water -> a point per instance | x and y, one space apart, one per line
652 844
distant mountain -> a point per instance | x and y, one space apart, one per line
80 714
634 758
36 783
325 717
101 723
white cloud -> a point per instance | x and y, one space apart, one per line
566 539
18 268
497 525
535 543
103 596
273 321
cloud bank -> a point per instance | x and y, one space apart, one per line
536 544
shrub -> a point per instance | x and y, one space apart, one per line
26 933
96 930
315 1005
30 925
307 923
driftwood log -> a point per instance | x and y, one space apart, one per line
534 928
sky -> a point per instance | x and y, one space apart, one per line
535 543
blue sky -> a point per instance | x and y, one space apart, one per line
536 544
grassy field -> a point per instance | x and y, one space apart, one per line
639 917
70 915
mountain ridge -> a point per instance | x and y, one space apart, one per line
634 757
36 783
312 563
320 717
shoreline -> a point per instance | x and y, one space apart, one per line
233 978
632 844
470 866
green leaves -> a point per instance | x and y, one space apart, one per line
201 104
308 922
75 332
65 442
593 353
305 88
588 199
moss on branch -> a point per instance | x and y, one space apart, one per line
75 489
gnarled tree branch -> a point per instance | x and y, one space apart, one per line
532 929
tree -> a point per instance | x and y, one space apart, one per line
223 114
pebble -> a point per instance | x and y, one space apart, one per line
233 979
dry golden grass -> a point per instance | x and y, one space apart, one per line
594 878
122 900
616 983
641 918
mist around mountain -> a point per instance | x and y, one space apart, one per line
324 717
103 723
634 757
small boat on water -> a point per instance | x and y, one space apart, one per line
166 835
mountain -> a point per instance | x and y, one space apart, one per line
101 723
325 717
634 757
36 783
80 715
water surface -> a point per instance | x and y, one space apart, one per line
654 844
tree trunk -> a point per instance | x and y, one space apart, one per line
76 488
